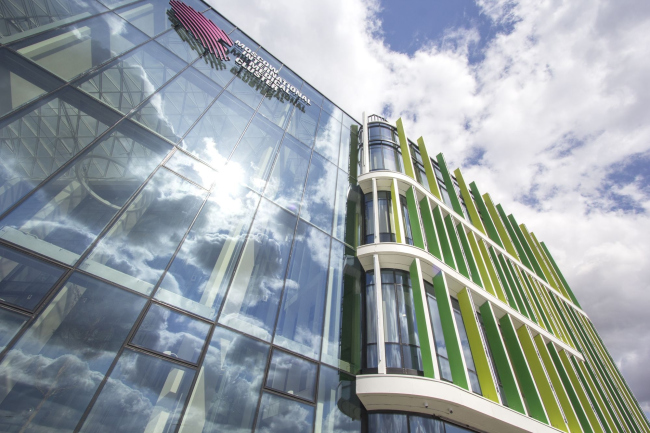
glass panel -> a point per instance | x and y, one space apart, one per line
10 324
376 158
218 20
149 16
287 180
293 375
436 324
21 82
408 234
172 333
248 88
328 137
72 50
252 159
138 247
445 368
50 375
237 35
467 351
369 219
252 302
412 357
318 201
24 281
199 275
387 423
420 424
342 339
186 166
389 158
451 428
333 110
393 355
129 80
220 71
371 321
277 106
339 408
407 318
389 310
143 394
180 42
215 135
349 144
226 394
281 415
303 124
64 217
313 95
35 142
343 206
173 110
385 217
300 324
28 16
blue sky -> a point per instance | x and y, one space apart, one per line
544 104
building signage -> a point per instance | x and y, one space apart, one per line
265 72
217 42
211 37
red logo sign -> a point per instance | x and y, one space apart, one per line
212 37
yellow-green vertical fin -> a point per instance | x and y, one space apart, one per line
469 203
449 183
428 169
404 146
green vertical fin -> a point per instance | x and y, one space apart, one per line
469 203
524 375
455 245
447 254
513 237
559 273
456 360
507 244
501 360
487 220
421 319
433 245
480 263
469 255
416 231
428 169
449 183
406 152
533 260
479 354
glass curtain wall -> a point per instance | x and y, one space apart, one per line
385 153
384 215
176 239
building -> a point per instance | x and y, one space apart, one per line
194 239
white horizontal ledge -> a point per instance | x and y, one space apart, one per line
445 400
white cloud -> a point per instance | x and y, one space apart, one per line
555 103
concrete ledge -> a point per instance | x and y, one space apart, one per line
444 400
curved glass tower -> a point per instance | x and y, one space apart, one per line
193 239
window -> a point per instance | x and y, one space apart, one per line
408 234
385 153
438 336
418 166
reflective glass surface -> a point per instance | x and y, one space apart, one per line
371 322
180 42
188 167
64 216
253 157
438 335
339 408
280 415
215 135
300 323
348 153
199 275
303 124
218 20
277 107
143 394
387 423
71 50
10 324
172 333
248 88
126 82
328 137
173 110
467 351
342 328
252 302
226 394
320 191
421 424
24 281
50 375
292 375
27 16
36 141
137 248
150 16
287 180
21 82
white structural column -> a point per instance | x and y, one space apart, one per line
366 146
381 348
375 209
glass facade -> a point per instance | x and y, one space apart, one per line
187 248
